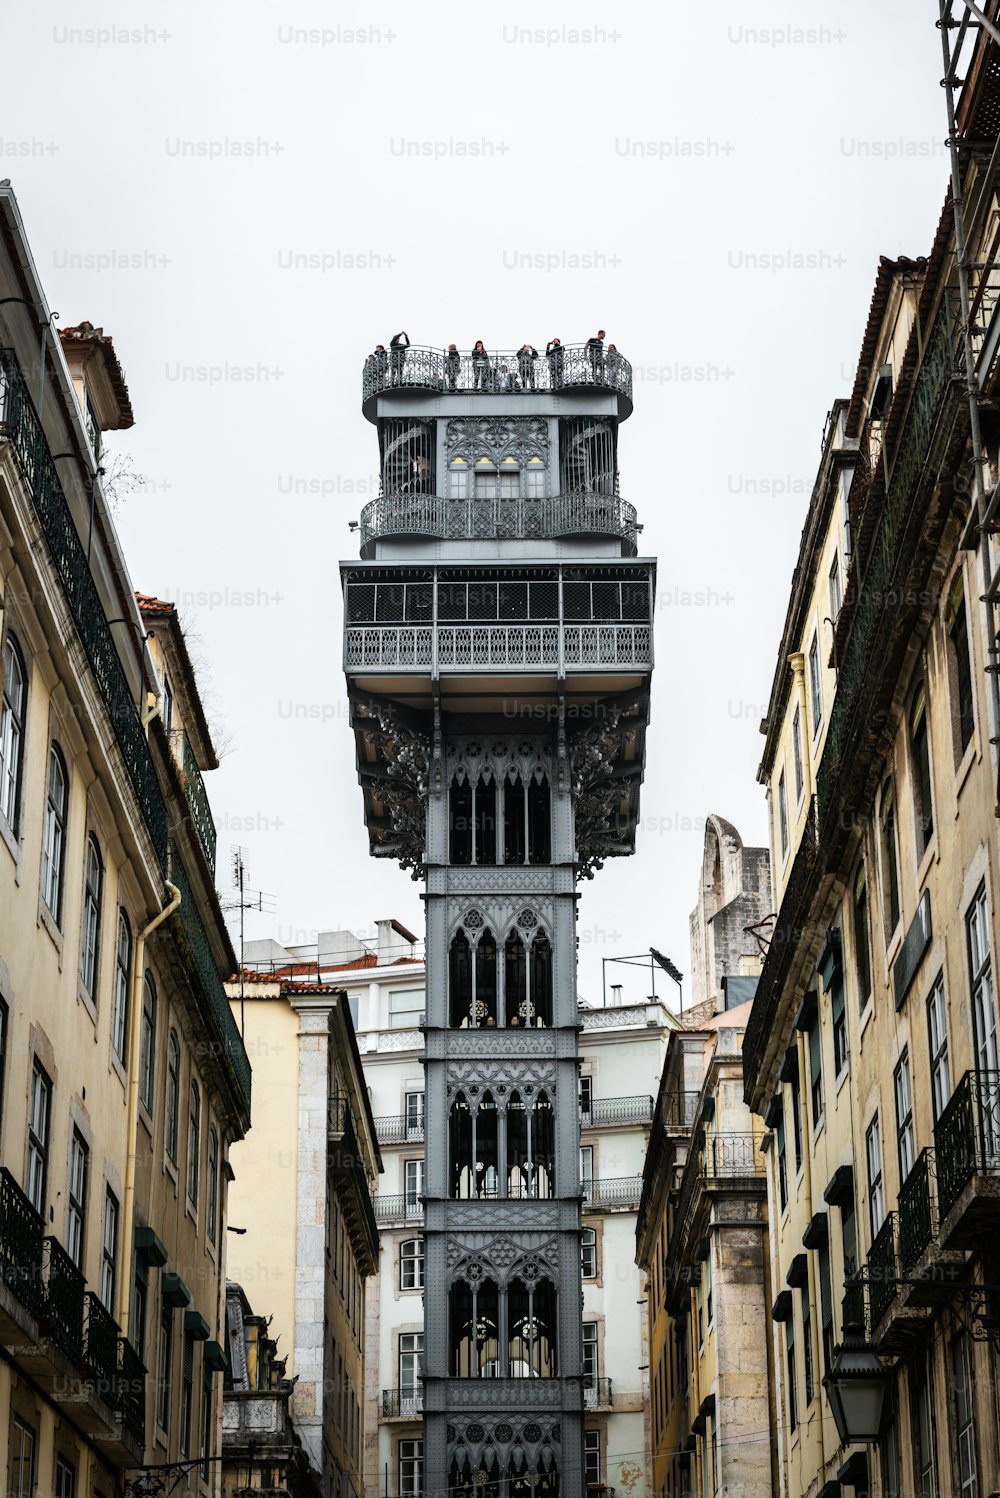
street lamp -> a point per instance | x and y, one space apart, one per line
856 1387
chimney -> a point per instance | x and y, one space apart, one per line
394 942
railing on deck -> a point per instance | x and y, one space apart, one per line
613 1191
468 519
502 645
967 1136
496 371
882 1273
197 797
916 1211
616 1110
214 994
62 1316
100 1348
20 1244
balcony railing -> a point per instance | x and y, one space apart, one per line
20 425
402 1208
20 1245
487 519
100 1348
612 1191
882 1274
734 1158
62 1316
680 1109
573 647
496 372
399 1129
725 1155
597 1394
916 1211
967 1136
132 1390
616 1110
219 1014
347 1157
197 798
402 1404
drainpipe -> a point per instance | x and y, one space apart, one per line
125 1293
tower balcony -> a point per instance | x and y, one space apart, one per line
498 372
435 517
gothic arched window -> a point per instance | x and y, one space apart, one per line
474 1329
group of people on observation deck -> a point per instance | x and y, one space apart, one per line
494 376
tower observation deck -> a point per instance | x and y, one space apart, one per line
498 648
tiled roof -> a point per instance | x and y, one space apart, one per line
150 605
85 332
887 271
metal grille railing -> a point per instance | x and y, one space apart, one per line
62 1316
612 1191
616 1110
680 1109
403 1208
100 1348
132 1390
728 1154
501 645
915 1209
398 1129
882 1274
20 425
213 993
495 372
967 1136
197 797
20 1244
469 519
402 1404
597 1394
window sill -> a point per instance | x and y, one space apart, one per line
818 1128
893 942
9 839
170 1169
83 997
930 857
115 1066
46 919
147 1120
866 1017
963 769
839 1082
191 1209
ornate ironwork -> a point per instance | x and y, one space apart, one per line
215 1001
616 1110
447 519
100 1348
21 427
20 1244
500 646
679 1109
916 1211
62 1316
403 1208
597 1393
967 1136
197 797
398 1129
881 1276
612 1191
402 1404
497 372
132 1390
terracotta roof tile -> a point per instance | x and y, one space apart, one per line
148 604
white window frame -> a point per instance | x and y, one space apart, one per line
815 686
876 1184
902 1086
937 1035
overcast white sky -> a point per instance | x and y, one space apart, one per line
669 149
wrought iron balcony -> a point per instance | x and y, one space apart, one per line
725 1155
573 647
100 1348
19 425
597 1393
916 1211
21 1231
967 1137
403 1208
881 1273
507 519
132 1390
612 1191
62 1314
502 372
215 1000
399 1129
197 798
680 1110
601 1111
402 1404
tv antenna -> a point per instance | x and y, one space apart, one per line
246 899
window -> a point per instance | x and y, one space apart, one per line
922 1426
411 1363
783 814
826 1304
904 1116
90 934
414 1115
187 1393
815 686
709 1290
960 673
876 1194
11 733
796 1093
592 1458
166 706
164 1359
590 1363
862 950
411 1264
782 1164
587 1170
962 1411
816 1072
65 1479
38 1137
807 1345
586 1098
790 1372
588 1253
890 859
173 1094
109 1250
22 1461
411 1468
76 1214
54 835
123 969
836 593
800 778
147 1044
838 1016
888 1456
212 1204
937 1029
140 1300
920 769
984 1018
194 1143
413 1176
406 1009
